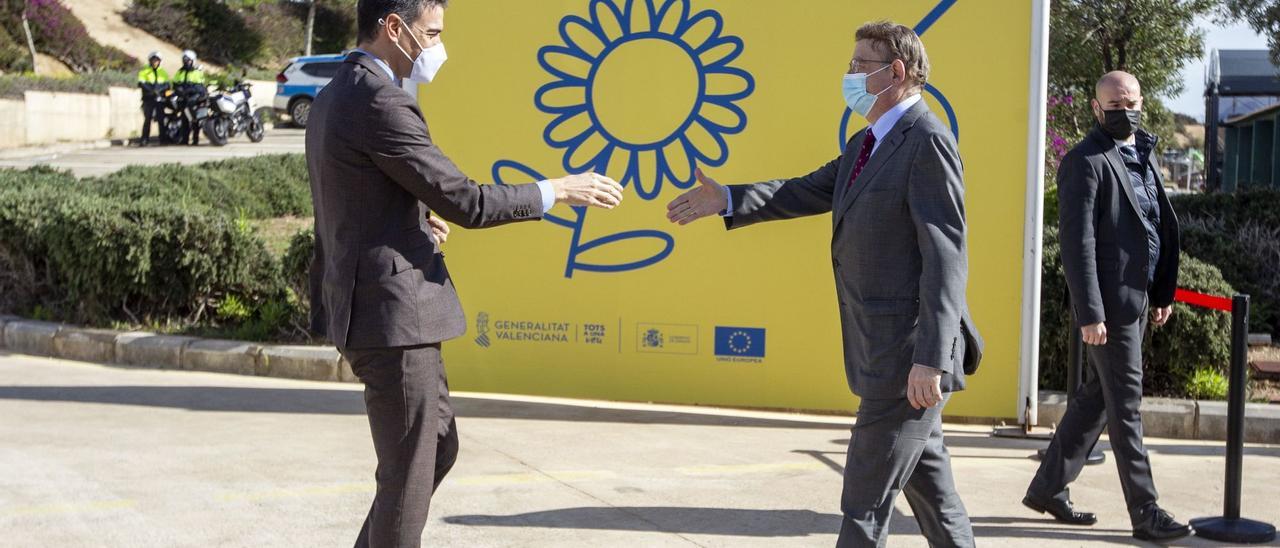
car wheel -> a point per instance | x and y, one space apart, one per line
300 110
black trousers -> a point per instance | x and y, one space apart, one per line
414 435
1109 398
898 449
152 110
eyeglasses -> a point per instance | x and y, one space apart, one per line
857 64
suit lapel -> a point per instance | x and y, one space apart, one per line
888 146
849 158
1112 155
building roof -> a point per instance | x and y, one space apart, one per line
1262 113
1244 72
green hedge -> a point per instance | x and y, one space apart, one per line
159 247
256 188
1193 340
296 266
1240 233
81 258
12 85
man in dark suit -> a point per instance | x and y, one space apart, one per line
899 255
1120 254
380 287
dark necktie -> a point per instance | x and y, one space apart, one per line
863 155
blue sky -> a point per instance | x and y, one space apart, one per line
1240 36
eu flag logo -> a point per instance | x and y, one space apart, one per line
740 342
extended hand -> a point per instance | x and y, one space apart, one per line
1161 315
587 189
924 387
439 229
704 201
1095 334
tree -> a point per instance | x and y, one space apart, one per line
1151 39
1262 15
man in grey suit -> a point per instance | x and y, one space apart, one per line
898 251
380 288
1120 255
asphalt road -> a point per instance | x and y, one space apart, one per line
104 456
100 161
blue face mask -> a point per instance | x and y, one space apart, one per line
856 95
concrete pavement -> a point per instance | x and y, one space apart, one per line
103 456
88 162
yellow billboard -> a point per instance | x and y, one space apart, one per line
622 305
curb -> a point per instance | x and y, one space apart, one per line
1183 419
5 319
219 356
141 349
30 337
86 345
308 363
1162 417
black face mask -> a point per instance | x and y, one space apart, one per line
1121 124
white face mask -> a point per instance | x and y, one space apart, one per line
428 63
855 91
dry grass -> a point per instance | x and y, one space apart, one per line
277 232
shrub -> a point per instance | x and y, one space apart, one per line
257 188
296 266
1207 384
1248 253
1193 338
257 33
57 32
91 260
14 56
13 85
1260 206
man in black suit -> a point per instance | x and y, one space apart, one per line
380 288
1120 255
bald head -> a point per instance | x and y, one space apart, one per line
1117 91
1117 80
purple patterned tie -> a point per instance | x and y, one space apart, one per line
863 155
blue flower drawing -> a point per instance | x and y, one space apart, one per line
644 89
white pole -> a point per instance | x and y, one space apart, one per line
311 25
1033 233
31 44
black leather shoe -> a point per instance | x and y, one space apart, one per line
1061 511
1159 525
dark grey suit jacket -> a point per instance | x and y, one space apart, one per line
378 278
898 251
1104 244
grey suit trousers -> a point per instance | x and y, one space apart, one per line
1109 398
414 435
896 448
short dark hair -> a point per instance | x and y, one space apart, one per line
368 12
899 42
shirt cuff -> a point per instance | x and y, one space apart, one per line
728 200
548 196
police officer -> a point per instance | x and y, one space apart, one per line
153 81
190 82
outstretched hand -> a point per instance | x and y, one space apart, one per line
587 189
705 200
